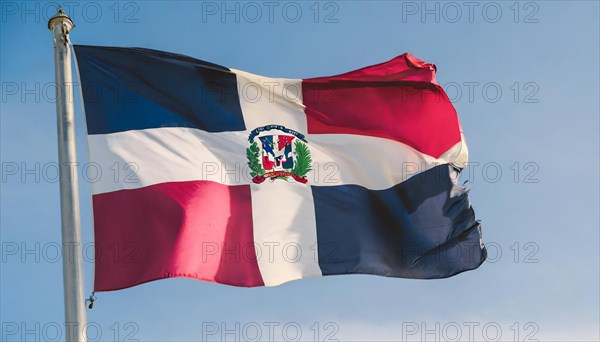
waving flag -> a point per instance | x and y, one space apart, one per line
225 176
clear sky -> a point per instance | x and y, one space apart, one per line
524 77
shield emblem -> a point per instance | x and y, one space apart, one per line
277 152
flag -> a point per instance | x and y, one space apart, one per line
221 175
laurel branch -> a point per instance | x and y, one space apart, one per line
303 159
253 153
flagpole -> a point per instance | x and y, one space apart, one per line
75 315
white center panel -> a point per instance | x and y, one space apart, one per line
283 212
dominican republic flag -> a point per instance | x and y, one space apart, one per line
221 175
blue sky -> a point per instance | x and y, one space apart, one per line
523 76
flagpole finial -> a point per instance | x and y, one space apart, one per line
61 17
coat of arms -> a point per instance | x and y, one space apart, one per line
277 152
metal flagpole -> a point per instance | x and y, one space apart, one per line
75 315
